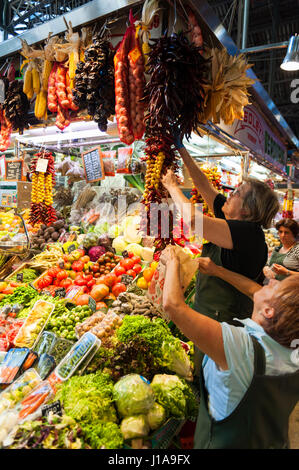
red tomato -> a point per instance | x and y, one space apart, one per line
127 263
137 268
130 254
119 270
118 279
56 282
118 289
136 259
53 271
132 273
110 279
66 283
91 283
62 275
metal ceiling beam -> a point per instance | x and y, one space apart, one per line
205 11
79 16
265 47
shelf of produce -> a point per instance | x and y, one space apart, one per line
23 266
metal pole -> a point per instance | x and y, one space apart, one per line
245 23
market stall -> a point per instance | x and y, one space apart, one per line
88 356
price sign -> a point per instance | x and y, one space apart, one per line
71 248
92 304
42 165
54 407
13 170
19 277
93 165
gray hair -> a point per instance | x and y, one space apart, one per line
261 202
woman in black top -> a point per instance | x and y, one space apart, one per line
235 235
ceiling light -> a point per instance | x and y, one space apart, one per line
291 60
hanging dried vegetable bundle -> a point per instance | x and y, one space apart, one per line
16 106
41 210
175 91
94 82
226 92
6 130
129 86
214 177
174 97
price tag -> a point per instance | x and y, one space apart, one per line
42 165
92 304
55 407
71 248
19 277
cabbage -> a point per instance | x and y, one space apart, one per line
156 416
91 239
169 392
133 395
131 226
101 228
134 248
95 252
147 254
114 231
119 244
177 359
134 426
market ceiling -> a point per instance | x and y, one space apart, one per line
29 17
269 22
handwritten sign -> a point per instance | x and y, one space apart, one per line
93 165
13 170
42 165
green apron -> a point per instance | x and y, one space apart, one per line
260 421
216 298
278 258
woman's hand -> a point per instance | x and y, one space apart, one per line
207 266
169 254
169 180
278 269
268 272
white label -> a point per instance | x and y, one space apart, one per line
42 165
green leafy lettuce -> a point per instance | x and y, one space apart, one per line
103 435
88 398
175 395
167 350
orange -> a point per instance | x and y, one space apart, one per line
148 274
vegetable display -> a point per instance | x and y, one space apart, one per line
34 324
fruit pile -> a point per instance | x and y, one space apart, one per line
144 281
